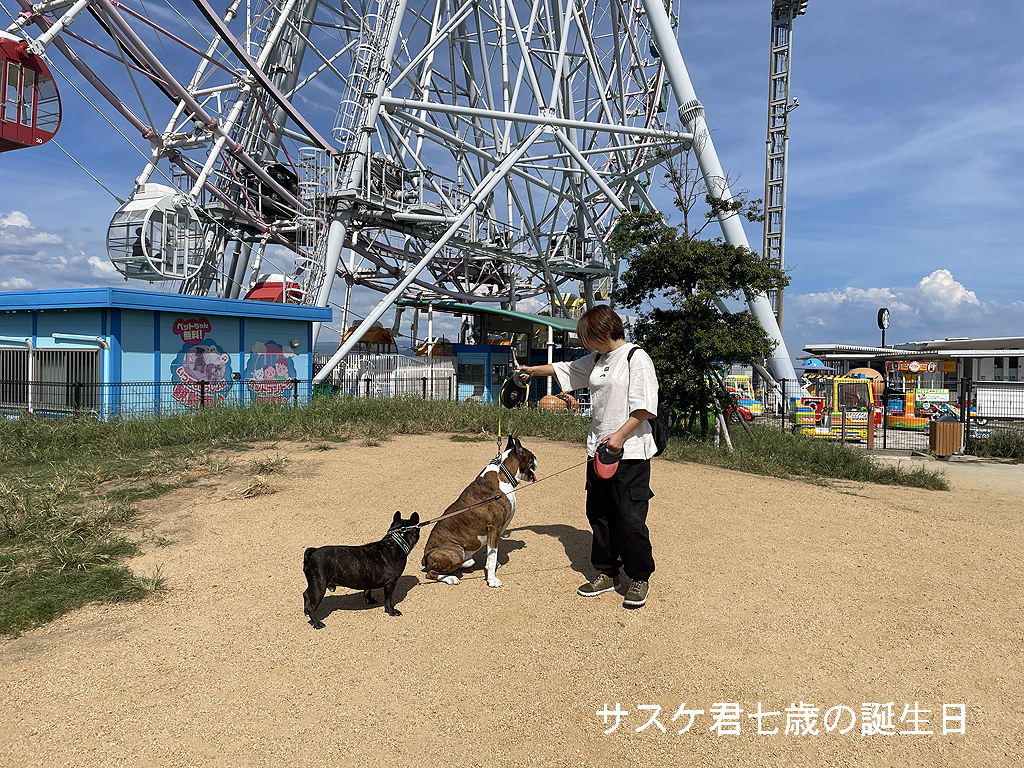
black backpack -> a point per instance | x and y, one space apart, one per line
661 425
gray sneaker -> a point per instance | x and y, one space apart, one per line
598 586
637 594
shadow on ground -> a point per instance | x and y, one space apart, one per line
575 542
353 601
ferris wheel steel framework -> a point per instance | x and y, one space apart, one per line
540 121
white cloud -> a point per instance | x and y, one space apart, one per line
17 230
938 306
102 266
15 219
945 293
32 258
17 284
532 305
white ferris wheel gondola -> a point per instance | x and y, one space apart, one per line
156 236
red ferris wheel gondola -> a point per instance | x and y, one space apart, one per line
29 103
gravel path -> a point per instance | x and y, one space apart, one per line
769 593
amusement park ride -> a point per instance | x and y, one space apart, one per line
471 150
29 104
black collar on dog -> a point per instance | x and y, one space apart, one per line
400 541
504 470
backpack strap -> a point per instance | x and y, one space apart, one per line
629 372
628 356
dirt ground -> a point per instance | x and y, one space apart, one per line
769 594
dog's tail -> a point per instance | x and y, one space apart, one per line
305 557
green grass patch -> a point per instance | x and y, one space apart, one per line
29 441
37 596
781 454
1000 444
60 551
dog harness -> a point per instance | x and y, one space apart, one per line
400 541
504 470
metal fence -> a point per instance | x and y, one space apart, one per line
55 400
374 375
769 408
899 419
996 406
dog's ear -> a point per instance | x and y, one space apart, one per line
415 518
511 444
397 518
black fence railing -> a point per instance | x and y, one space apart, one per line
129 399
770 408
996 407
895 420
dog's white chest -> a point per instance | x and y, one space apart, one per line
509 492
503 485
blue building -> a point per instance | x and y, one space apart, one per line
115 350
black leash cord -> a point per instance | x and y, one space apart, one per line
485 501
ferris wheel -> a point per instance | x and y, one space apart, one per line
476 150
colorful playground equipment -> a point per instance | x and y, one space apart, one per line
902 407
742 388
841 406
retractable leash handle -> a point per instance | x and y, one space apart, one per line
514 394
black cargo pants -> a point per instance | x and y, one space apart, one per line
617 511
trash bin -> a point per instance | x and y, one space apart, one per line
945 435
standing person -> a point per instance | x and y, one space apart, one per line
623 396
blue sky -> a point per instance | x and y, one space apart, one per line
905 176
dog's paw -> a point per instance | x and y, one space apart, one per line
393 612
453 580
469 563
493 583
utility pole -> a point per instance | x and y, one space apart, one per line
779 107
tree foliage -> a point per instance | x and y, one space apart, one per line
677 284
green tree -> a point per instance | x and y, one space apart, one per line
677 284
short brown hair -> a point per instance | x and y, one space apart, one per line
598 324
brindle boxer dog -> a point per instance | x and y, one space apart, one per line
490 502
365 567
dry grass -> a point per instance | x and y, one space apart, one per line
268 465
257 486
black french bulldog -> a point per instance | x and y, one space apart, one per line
365 567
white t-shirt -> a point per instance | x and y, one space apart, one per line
615 392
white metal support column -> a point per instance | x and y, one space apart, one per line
691 112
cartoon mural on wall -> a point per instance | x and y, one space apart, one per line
201 359
270 371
